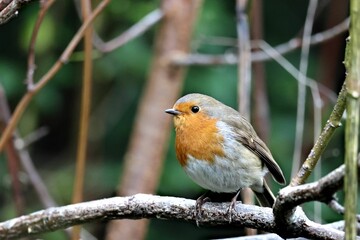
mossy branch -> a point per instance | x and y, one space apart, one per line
352 63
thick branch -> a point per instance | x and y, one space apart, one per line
150 206
9 9
321 190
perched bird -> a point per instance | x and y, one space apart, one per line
220 151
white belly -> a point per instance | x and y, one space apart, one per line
240 168
223 175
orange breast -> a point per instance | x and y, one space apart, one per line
198 136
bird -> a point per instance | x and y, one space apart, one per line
220 150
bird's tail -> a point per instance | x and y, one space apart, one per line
266 197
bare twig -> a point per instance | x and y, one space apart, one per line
322 190
295 43
282 48
20 108
136 30
317 107
338 208
23 155
44 7
244 80
281 60
84 114
12 158
14 171
32 137
332 123
300 115
244 64
260 99
257 56
150 206
9 9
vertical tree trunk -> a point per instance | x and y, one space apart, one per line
144 158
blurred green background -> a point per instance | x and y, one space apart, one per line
118 79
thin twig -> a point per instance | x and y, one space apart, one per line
133 32
338 208
317 107
26 162
261 120
20 108
258 56
12 158
44 7
244 79
301 100
29 139
281 60
244 64
84 114
282 48
295 43
332 123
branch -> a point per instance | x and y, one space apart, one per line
244 79
257 56
82 143
44 7
323 140
352 63
150 206
338 208
136 30
321 190
9 9
24 102
301 98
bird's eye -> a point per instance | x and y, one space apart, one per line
195 109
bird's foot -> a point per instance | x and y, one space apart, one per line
199 202
232 206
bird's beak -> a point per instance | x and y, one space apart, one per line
172 111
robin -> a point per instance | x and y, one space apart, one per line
220 150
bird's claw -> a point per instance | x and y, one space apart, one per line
229 212
199 202
232 206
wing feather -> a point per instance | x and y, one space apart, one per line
247 136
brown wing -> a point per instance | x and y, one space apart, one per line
248 137
258 147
